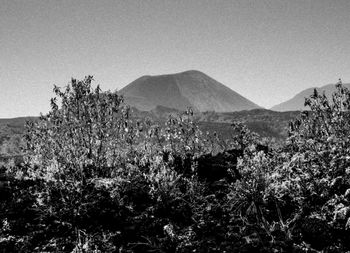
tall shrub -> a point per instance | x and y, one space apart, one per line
84 134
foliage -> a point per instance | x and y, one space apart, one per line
95 179
84 132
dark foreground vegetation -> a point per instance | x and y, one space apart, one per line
94 179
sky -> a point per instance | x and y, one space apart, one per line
266 50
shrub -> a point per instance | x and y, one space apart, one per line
84 135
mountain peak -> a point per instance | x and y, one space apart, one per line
192 71
190 88
187 72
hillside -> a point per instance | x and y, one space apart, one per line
187 89
297 102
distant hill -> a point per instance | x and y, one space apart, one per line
297 102
13 126
266 123
187 89
11 133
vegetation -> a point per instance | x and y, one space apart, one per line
268 124
96 179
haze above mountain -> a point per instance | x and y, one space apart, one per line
297 102
182 90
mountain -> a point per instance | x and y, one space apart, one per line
297 102
186 89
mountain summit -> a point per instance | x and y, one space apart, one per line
186 89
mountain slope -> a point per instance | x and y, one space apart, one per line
297 102
187 89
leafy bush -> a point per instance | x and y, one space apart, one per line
84 135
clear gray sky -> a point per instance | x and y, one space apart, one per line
265 50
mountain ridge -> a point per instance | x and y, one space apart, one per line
296 103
